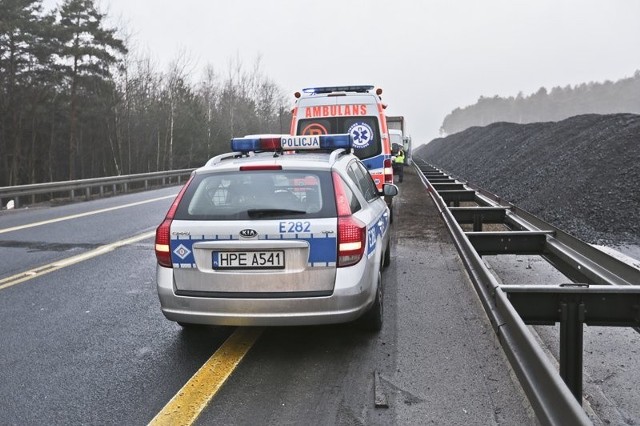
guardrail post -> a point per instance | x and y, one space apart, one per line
87 194
72 194
146 184
113 189
477 222
124 187
571 346
101 188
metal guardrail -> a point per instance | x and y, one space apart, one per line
104 185
604 291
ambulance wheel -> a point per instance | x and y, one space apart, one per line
372 319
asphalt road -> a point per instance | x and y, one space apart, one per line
87 343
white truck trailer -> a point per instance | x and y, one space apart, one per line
398 136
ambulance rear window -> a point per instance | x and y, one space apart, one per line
259 194
366 137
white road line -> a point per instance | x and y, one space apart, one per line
75 216
62 263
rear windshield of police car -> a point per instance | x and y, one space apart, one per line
257 195
364 130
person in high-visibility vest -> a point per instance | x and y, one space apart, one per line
398 165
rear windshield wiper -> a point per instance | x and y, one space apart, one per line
272 212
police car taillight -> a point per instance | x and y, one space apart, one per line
352 235
163 252
351 241
388 171
163 232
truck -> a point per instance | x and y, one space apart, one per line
399 137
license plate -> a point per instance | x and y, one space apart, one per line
273 259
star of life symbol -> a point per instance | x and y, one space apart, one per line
181 251
362 134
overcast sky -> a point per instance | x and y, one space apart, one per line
428 56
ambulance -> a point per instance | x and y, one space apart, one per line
356 110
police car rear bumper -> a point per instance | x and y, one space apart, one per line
350 299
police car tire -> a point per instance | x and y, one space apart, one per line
386 261
372 319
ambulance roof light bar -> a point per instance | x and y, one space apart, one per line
292 143
330 89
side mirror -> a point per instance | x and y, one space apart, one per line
389 190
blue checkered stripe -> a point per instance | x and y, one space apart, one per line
379 227
323 249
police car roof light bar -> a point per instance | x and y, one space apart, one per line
317 142
330 89
344 141
289 143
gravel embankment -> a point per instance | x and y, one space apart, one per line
581 174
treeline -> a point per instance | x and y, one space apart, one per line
558 104
76 103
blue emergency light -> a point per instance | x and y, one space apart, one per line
292 143
255 144
331 89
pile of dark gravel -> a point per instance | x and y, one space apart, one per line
581 174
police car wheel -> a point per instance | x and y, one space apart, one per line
386 261
372 319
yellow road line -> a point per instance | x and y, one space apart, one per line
185 407
75 216
54 266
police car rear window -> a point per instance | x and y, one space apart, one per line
257 195
366 137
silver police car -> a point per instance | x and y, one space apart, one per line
286 230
